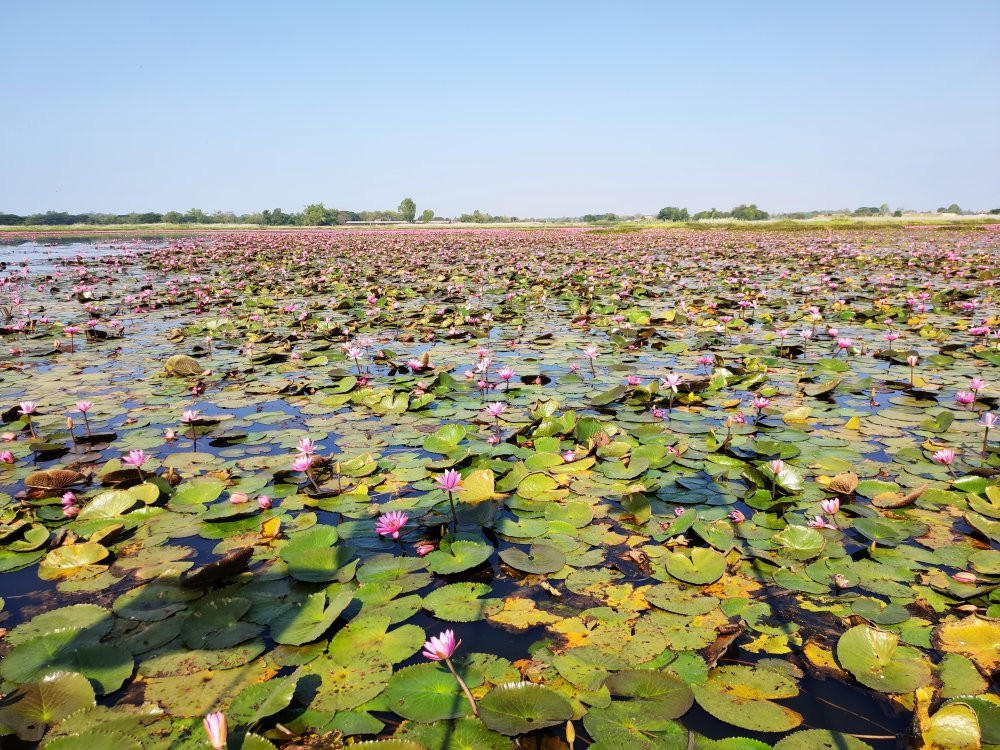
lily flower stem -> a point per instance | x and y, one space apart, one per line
454 520
465 689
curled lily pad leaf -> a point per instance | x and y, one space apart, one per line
308 620
461 602
540 558
700 565
875 658
743 696
975 637
34 707
672 695
458 554
521 707
820 739
426 693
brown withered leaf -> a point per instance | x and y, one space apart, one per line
844 484
898 499
232 563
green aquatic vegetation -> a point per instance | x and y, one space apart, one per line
653 483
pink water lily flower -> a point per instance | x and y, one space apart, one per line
135 458
944 456
264 502
965 398
216 728
672 380
495 409
831 506
389 524
450 481
820 523
6 457
441 647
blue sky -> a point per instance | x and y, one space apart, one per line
525 108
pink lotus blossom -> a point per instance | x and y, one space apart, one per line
6 457
302 462
450 481
736 516
976 384
424 549
390 523
831 506
495 409
439 648
189 416
777 466
569 456
820 523
135 458
945 456
633 380
216 728
84 406
964 576
264 502
965 398
239 498
27 407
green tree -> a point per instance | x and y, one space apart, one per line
318 215
426 215
744 212
672 213
408 209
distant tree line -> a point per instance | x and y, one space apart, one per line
478 217
318 215
313 215
741 212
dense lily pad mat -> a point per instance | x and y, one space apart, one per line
670 489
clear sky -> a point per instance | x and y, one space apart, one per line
543 108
